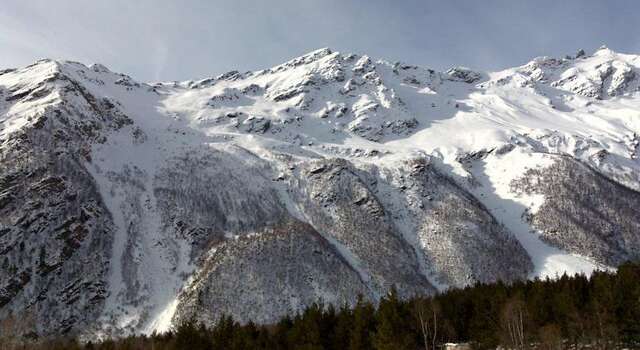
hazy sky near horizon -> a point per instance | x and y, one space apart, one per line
191 39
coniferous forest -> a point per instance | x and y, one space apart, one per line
597 312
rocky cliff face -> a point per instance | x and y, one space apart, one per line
55 232
127 207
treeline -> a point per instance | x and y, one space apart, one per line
601 312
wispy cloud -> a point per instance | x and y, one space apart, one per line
159 59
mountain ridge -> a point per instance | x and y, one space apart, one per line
392 174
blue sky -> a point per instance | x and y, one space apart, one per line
179 40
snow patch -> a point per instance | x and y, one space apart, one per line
495 174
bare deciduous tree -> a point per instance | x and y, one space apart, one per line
550 337
426 312
513 323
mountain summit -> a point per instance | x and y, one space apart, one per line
129 206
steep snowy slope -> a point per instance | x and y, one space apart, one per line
127 206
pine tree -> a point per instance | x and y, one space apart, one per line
281 332
627 288
306 333
363 325
344 321
392 331
189 335
599 315
223 332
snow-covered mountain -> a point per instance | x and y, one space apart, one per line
127 206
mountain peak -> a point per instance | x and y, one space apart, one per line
308 58
603 74
99 68
321 52
604 50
